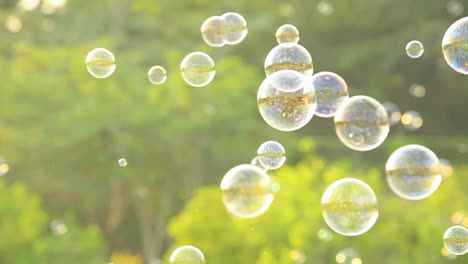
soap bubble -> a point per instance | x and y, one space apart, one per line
187 255
413 172
331 92
325 8
287 80
456 240
417 90
361 123
393 113
157 75
271 155
256 162
289 56
4 167
454 46
235 28
349 207
286 111
197 69
412 120
446 168
100 63
414 49
455 8
247 191
213 31
287 34
122 162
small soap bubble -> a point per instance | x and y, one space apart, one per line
456 240
197 69
289 56
187 255
214 31
349 207
286 111
157 75
412 120
122 162
414 49
271 155
446 168
454 46
455 8
287 34
235 28
100 63
417 90
331 92
393 113
247 191
325 8
413 172
361 123
58 227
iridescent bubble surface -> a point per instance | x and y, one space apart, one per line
413 172
187 255
412 120
289 56
456 240
455 46
247 191
213 31
393 112
361 123
271 155
287 80
287 34
157 75
349 207
331 92
414 49
197 69
100 63
235 28
286 111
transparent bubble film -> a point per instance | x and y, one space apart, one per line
455 46
247 191
187 255
197 69
287 34
413 172
456 240
100 63
331 92
271 155
349 207
235 28
361 123
289 56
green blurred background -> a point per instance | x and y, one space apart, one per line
64 198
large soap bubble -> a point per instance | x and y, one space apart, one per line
456 240
349 207
289 56
235 28
455 46
331 92
213 31
361 123
413 172
197 69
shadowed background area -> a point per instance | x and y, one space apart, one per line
65 199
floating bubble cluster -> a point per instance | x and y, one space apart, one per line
455 46
456 240
286 111
331 92
413 172
271 155
361 123
349 207
287 34
247 191
393 113
412 120
100 63
187 255
235 28
414 49
197 69
289 56
157 75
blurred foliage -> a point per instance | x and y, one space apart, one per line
63 131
